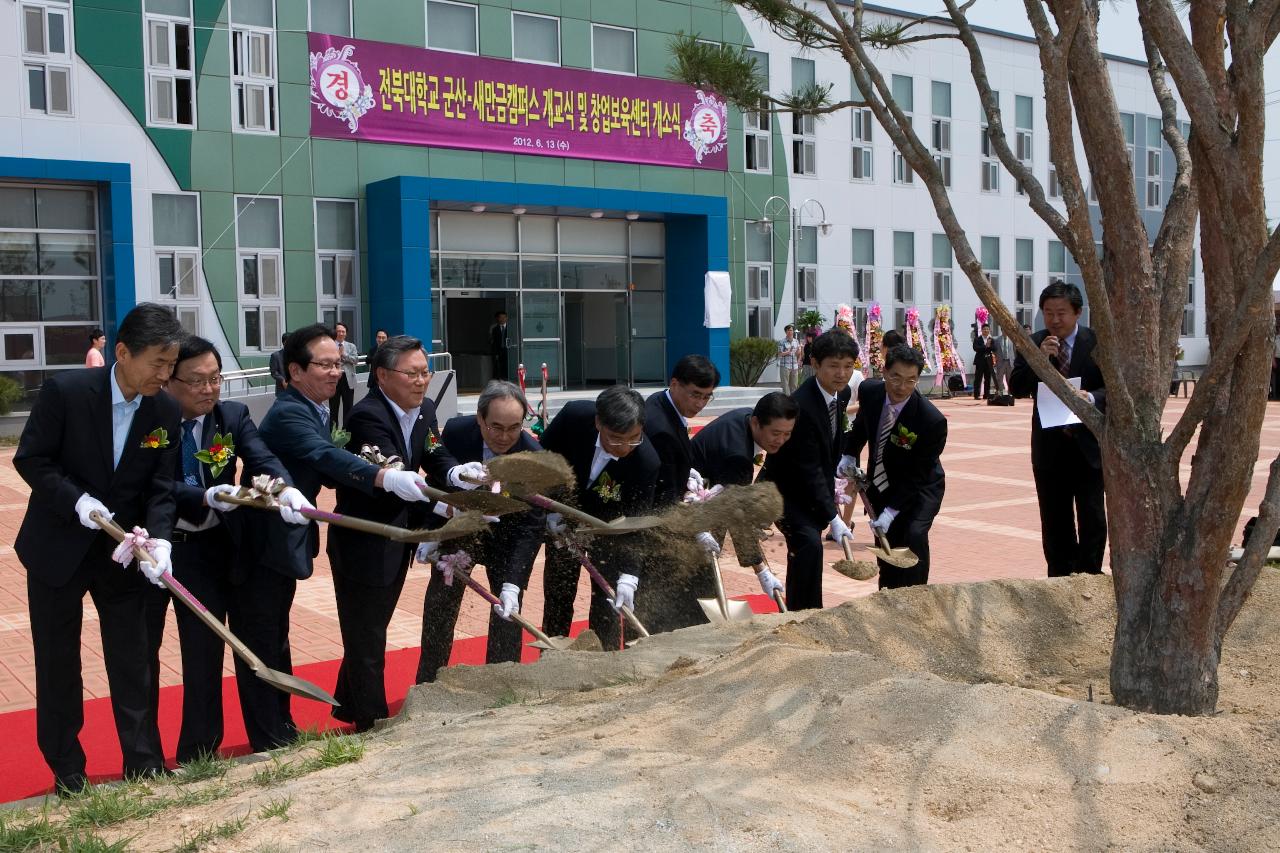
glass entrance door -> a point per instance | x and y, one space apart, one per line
597 339
470 318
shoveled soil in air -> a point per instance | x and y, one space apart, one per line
937 718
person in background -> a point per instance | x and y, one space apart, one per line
984 369
888 341
276 366
806 367
1006 352
97 342
499 343
349 357
789 351
379 338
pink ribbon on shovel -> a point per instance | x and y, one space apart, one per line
450 563
138 538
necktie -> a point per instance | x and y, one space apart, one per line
834 413
1064 359
881 479
190 465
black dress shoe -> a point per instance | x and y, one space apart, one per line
135 774
70 785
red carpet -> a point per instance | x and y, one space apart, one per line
23 772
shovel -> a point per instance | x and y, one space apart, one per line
377 528
608 590
541 640
720 608
592 526
279 680
902 558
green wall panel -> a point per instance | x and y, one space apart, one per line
293 58
376 162
652 53
620 176
216 212
255 163
175 149
498 166
213 103
538 170
575 43
109 37
228 316
295 110
495 31
706 23
576 9
295 176
407 26
620 13
299 225
580 173
664 16
333 169
446 162
299 313
542 7
293 14
664 179
300 277
211 161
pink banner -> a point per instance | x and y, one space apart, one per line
382 92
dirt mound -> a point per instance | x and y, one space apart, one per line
899 721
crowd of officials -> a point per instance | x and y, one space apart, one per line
147 440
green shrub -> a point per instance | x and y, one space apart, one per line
809 319
10 393
748 357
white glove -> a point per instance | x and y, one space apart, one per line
709 544
406 485
626 592
427 552
848 468
292 502
211 497
474 470
556 525
696 482
839 530
510 597
87 504
163 565
769 581
444 510
884 519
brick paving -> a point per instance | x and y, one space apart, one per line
989 528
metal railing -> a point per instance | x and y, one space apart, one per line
257 380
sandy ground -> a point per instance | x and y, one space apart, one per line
950 717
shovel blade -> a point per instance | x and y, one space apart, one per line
295 685
738 611
902 558
552 643
711 607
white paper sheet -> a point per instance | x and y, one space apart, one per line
716 299
1053 412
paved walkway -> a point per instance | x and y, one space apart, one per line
989 528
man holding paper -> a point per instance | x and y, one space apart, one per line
1065 458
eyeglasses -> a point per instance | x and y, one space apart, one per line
900 380
498 429
701 397
414 375
605 438
213 381
326 365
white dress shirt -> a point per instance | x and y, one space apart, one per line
682 418
122 412
406 421
599 461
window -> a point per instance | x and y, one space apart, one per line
331 16
46 57
1057 259
943 261
1128 121
613 49
169 44
807 264
864 261
337 263
862 150
1189 309
1154 177
904 276
991 261
535 38
259 267
253 66
941 130
990 164
1055 189
1024 287
804 143
759 253
452 26
1023 108
903 93
758 124
175 231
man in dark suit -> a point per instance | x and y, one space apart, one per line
499 342
344 394
507 550
369 571
298 432
206 541
1066 461
616 470
804 468
728 450
101 439
984 369
669 603
276 365
904 434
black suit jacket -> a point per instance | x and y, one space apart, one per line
517 536
572 434
724 450
670 439
66 450
804 469
1047 443
231 417
983 352
915 474
363 557
498 340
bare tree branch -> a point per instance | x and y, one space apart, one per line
1249 566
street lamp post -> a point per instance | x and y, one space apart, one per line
795 219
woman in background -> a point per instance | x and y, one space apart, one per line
97 343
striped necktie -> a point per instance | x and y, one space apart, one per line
1064 359
881 478
833 410
190 465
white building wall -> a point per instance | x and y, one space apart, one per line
1014 69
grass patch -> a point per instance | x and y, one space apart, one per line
207 766
24 831
337 750
310 734
279 771
276 808
507 697
90 843
227 829
104 805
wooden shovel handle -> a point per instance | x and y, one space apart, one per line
848 549
493 599
608 590
351 522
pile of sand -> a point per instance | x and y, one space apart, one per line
946 717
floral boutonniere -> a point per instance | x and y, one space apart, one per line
433 443
758 460
339 436
846 425
903 437
219 454
608 489
157 439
